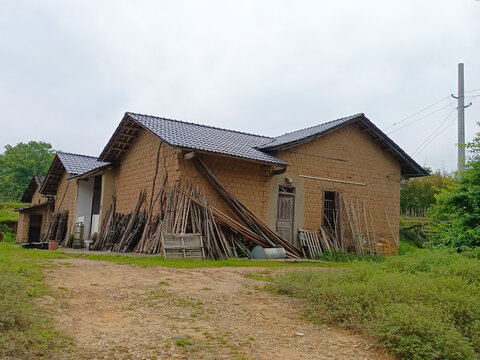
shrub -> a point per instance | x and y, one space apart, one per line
8 234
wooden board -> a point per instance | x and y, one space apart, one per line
183 246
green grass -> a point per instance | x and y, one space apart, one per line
423 305
26 331
7 213
183 341
151 261
346 257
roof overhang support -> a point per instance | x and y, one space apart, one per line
283 170
189 155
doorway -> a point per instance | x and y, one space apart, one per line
34 229
285 212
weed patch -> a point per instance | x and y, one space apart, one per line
342 256
424 305
25 331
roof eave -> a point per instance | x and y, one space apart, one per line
89 173
264 162
409 167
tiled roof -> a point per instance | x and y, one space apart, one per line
207 138
76 164
292 138
35 182
73 164
192 136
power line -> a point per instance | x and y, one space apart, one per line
418 112
417 120
424 109
434 134
469 91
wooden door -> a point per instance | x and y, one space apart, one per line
285 212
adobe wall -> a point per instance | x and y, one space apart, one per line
247 180
22 228
23 223
137 170
347 154
37 198
65 199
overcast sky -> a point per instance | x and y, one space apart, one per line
69 70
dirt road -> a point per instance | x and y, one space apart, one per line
124 312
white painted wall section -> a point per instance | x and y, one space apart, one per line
84 204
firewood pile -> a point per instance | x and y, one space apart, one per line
266 236
57 228
179 211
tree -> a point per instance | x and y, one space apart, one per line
419 193
19 163
457 211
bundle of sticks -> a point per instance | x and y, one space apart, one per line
57 228
361 227
178 210
121 232
266 236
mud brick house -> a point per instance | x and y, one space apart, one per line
33 220
297 180
80 197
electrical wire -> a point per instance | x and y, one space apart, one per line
472 97
469 91
418 112
417 120
434 135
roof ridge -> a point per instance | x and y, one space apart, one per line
201 125
67 153
325 123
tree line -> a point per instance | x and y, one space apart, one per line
19 163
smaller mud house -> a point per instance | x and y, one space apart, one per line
303 179
80 198
33 220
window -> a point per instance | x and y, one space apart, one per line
329 209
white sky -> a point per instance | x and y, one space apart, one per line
70 69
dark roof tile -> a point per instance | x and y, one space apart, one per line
207 138
307 133
76 164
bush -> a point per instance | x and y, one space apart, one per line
8 234
456 213
424 305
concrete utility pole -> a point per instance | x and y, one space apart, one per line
461 119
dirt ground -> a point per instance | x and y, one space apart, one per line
124 312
